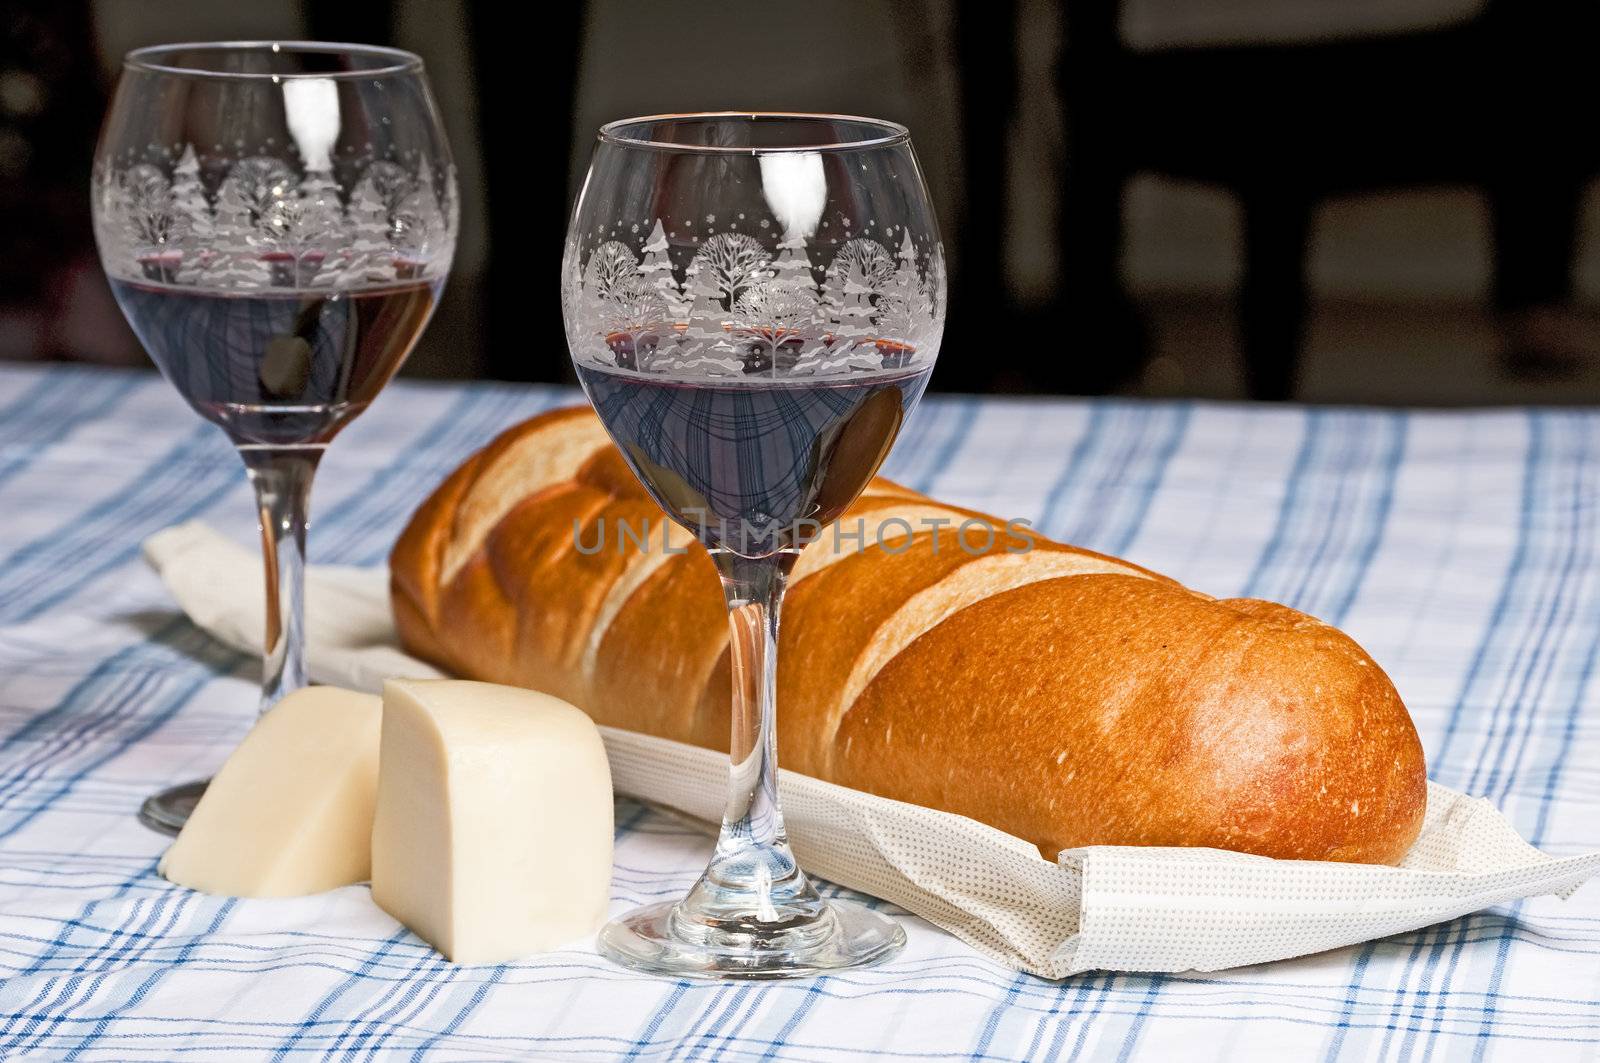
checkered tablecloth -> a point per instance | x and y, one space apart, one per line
1460 549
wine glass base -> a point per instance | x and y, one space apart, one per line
657 939
167 811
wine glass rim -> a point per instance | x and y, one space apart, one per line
892 133
148 60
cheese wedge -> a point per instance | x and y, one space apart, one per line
492 838
290 813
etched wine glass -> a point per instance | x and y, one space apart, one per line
753 303
276 220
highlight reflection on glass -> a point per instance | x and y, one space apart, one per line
277 221
753 304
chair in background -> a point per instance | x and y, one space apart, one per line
1493 102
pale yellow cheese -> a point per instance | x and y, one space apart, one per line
492 838
290 813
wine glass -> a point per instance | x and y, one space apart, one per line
276 220
753 304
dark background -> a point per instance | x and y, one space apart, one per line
1387 201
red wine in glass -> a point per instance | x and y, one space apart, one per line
277 219
753 302
759 466
278 368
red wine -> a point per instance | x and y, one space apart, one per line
753 467
278 368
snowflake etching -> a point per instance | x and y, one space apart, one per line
745 308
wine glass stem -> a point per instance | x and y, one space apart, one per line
753 855
282 479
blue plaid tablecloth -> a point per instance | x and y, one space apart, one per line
1459 548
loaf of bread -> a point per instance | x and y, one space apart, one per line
1060 695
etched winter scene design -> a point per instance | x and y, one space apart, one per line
268 226
690 301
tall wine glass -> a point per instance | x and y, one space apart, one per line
753 303
276 220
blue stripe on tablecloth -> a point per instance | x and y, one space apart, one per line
1447 938
458 415
992 1023
709 1002
1508 586
122 700
1542 645
705 1044
367 520
479 993
1577 630
1315 521
314 1018
808 999
457 419
1334 512
65 395
944 454
371 1029
1127 460
1582 540
41 423
176 486
1125 1053
1268 558
1392 460
1540 611
1097 991
657 1018
1569 729
1149 488
218 916
1330 517
115 949
1083 451
1459 984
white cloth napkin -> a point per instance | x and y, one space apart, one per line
1117 908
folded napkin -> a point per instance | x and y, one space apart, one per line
1116 908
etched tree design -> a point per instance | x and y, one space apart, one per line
147 205
933 284
571 287
625 311
250 193
857 278
733 262
776 319
633 323
656 269
418 226
903 309
772 324
144 201
247 198
193 227
609 266
705 305
792 268
303 229
375 207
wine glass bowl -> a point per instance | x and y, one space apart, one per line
276 220
753 303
